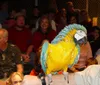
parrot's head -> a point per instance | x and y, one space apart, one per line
80 37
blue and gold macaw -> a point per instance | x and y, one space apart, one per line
63 52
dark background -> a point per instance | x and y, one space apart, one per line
93 9
29 4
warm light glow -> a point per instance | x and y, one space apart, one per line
95 21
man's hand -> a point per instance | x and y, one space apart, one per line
25 57
29 50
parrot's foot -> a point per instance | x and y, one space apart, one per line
66 76
49 76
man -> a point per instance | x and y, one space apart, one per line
19 34
71 11
21 37
10 56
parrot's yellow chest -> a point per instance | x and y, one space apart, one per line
59 56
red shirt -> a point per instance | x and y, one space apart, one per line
38 37
33 72
20 38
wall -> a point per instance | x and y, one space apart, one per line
93 7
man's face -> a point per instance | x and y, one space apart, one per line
20 21
71 7
36 12
2 39
96 33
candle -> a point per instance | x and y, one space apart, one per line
95 20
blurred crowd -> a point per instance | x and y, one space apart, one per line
21 37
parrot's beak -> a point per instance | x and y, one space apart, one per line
80 37
82 41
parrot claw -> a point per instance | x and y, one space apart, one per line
49 78
66 76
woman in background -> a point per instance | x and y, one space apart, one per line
44 32
85 54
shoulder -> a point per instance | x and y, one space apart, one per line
30 80
11 30
77 10
27 29
53 31
12 47
37 33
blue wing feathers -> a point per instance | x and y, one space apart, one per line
67 29
44 56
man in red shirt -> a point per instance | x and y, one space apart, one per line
21 36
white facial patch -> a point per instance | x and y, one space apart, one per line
80 34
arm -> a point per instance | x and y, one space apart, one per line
89 54
73 69
29 50
18 59
20 68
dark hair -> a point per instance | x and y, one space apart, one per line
92 61
68 4
96 28
83 11
51 11
19 15
49 27
35 7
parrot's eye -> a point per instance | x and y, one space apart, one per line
81 31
